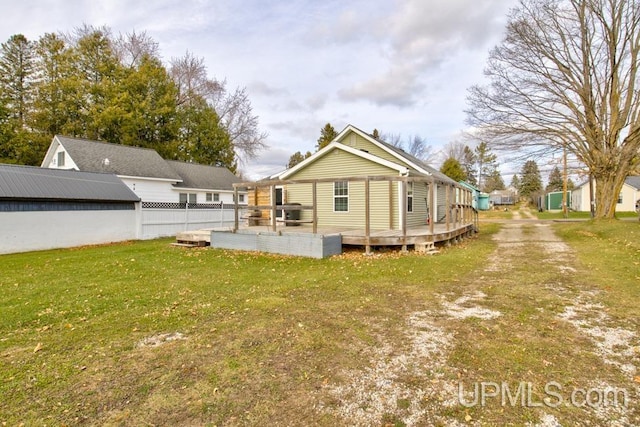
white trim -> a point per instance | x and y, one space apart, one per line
206 190
372 140
342 197
146 178
335 145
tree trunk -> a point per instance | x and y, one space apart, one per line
608 187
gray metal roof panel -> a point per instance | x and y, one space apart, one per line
27 182
203 176
124 160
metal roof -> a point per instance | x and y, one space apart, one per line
202 176
123 160
27 182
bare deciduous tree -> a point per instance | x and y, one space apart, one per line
131 47
233 108
415 145
566 76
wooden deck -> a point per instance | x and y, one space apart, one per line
350 236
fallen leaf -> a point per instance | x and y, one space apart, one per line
38 347
467 418
637 379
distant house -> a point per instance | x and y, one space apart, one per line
502 197
341 202
47 208
144 171
627 199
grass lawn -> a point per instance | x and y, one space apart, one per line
144 333
580 215
501 213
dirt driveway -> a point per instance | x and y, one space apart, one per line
525 318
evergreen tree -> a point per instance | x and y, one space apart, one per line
469 163
493 182
376 134
515 182
452 168
298 157
530 183
556 183
486 162
16 77
327 134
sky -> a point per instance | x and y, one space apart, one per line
400 66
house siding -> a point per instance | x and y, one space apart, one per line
358 142
580 198
339 163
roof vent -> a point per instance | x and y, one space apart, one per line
105 162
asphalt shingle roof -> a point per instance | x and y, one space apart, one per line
633 181
203 176
27 182
124 160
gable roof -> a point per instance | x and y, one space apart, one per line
335 145
123 160
196 176
405 159
633 181
28 182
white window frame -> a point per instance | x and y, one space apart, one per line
209 197
410 196
61 158
216 197
340 196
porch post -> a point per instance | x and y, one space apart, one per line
273 207
235 209
434 212
314 197
448 205
367 217
402 198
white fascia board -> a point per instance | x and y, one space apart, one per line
315 156
205 190
52 148
146 178
381 146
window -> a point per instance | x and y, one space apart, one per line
409 196
341 196
216 197
192 197
61 159
620 198
208 197
241 198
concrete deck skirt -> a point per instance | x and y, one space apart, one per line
300 244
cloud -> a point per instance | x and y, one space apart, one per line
400 86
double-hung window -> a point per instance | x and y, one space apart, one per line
410 196
341 196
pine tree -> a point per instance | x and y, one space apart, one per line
16 77
486 162
297 157
452 168
515 182
530 183
469 163
493 182
327 134
556 183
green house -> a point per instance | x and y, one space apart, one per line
340 197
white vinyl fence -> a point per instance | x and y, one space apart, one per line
167 219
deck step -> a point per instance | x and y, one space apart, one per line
428 248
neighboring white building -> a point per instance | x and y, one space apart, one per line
627 199
147 174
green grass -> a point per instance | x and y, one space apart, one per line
580 215
263 334
497 213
